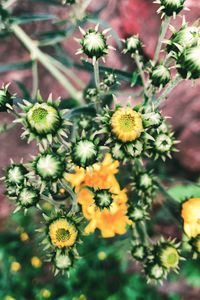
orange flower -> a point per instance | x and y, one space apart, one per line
105 210
191 216
100 176
103 203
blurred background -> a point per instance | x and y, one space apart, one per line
103 273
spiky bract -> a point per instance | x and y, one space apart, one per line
188 63
160 76
43 121
6 100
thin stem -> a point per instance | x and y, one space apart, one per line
67 187
168 90
140 69
163 32
35 80
44 60
96 74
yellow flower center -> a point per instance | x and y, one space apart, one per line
62 234
170 257
126 124
39 114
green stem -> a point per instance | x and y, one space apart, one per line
163 32
96 74
168 90
44 60
140 69
35 80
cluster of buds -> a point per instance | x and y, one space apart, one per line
132 133
80 155
184 48
158 259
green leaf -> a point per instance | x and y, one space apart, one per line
16 66
23 19
23 89
183 192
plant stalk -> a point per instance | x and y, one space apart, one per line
44 60
164 27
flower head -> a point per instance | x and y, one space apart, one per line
188 63
43 121
62 233
94 43
126 124
160 76
36 262
132 45
191 217
84 152
186 37
6 100
170 7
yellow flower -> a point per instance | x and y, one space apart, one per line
46 293
62 233
24 237
191 216
126 124
36 262
101 255
15 266
8 297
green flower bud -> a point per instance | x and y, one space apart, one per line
28 197
170 7
186 37
91 95
188 63
151 118
163 143
110 79
6 99
49 165
159 76
154 272
139 252
84 152
43 121
62 261
132 45
169 256
137 212
94 43
103 198
15 174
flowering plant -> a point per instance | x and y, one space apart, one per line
97 162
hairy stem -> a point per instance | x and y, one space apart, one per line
35 80
168 90
163 32
96 74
